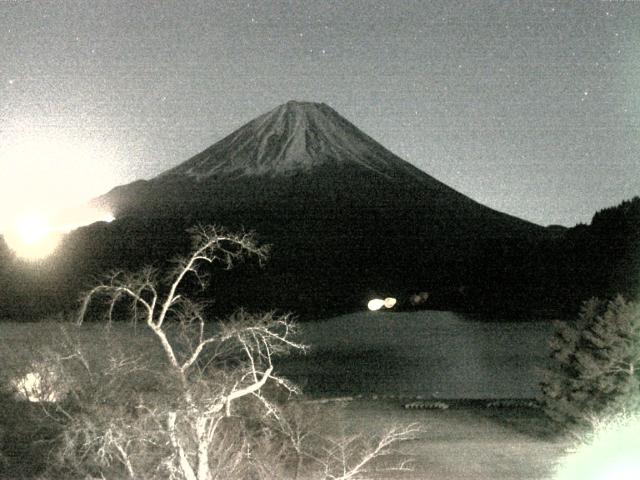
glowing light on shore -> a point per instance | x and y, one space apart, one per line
375 304
378 303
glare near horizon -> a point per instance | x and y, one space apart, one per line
45 187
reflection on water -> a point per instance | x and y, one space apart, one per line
426 353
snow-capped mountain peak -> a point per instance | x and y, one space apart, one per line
293 137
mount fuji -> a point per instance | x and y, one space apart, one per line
303 155
346 219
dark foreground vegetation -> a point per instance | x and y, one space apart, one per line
187 398
595 369
592 392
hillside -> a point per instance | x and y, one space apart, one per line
347 219
299 155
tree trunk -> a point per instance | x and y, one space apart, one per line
185 466
203 450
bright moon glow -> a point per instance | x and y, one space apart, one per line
614 454
31 237
44 179
33 229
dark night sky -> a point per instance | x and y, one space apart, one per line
532 108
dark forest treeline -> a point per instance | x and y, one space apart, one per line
338 269
556 274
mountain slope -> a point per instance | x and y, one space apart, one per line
293 137
296 154
346 217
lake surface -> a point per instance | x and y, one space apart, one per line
435 355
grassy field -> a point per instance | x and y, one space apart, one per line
429 355
460 443
21 343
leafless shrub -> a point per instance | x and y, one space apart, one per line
352 457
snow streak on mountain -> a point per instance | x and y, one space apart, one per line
296 136
303 155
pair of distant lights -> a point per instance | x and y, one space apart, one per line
377 303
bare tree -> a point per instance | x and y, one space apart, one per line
348 458
191 425
341 457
